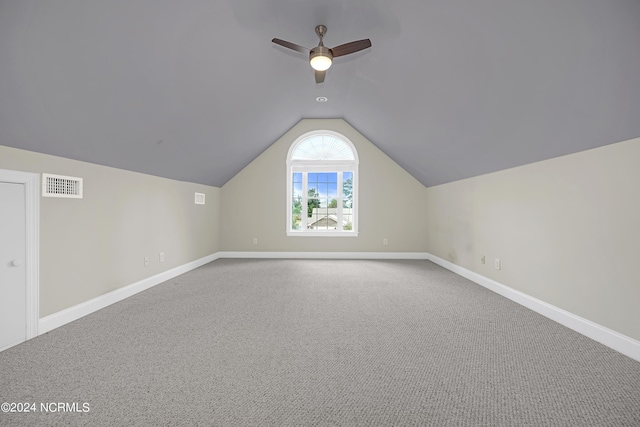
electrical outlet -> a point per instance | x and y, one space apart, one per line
255 240
161 256
146 261
482 260
497 264
385 241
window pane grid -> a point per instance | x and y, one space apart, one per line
322 191
325 206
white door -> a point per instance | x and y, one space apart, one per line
13 285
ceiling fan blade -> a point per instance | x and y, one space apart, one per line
291 45
320 76
352 47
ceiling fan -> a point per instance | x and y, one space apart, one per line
321 57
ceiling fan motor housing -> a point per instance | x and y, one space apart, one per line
320 51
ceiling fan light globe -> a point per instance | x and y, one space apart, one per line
320 62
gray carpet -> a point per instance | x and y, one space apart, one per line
320 342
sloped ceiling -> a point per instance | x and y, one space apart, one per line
194 89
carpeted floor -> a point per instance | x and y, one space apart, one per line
319 342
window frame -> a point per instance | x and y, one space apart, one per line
307 166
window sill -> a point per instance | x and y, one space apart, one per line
322 233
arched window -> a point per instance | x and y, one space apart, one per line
322 186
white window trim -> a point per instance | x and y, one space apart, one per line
322 166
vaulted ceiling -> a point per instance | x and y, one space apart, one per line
194 89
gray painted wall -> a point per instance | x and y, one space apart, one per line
94 245
390 202
566 231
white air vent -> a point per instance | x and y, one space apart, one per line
199 199
61 186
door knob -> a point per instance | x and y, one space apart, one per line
16 262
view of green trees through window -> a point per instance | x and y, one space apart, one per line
328 197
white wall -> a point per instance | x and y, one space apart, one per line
567 231
390 202
94 245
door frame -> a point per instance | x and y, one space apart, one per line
31 183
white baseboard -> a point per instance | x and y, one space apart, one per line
325 255
6 347
63 317
621 343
